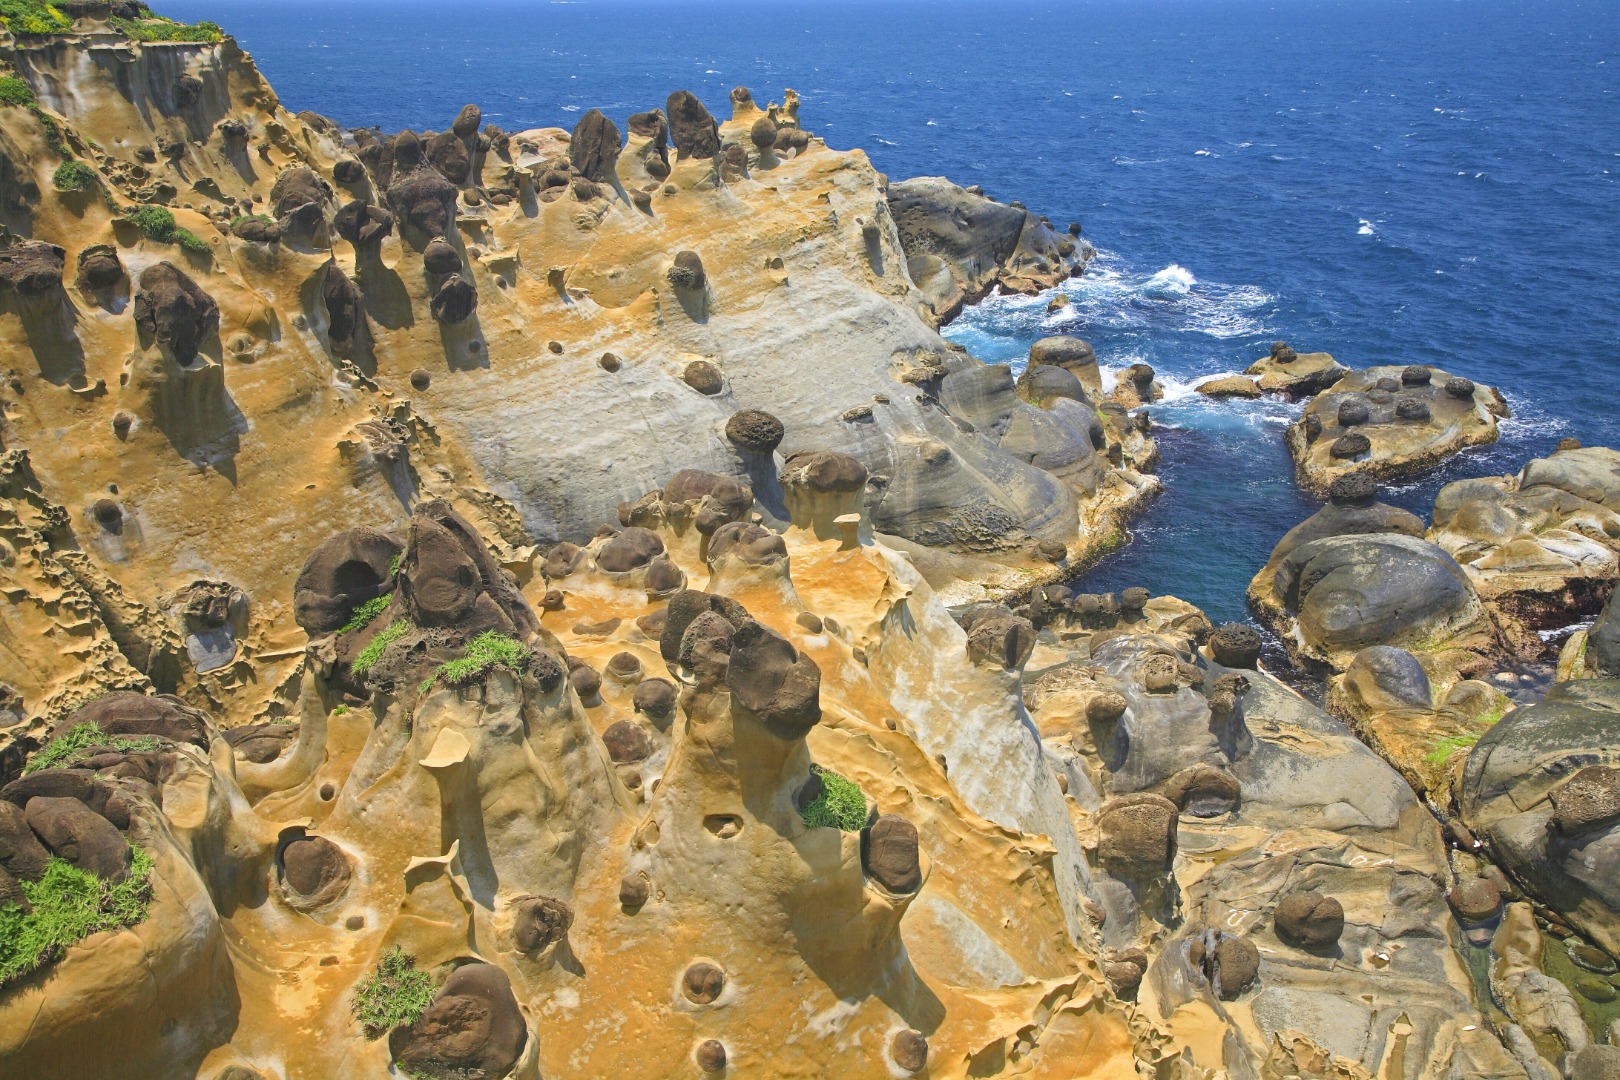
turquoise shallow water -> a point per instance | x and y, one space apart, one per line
1389 180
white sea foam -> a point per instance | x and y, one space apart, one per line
1171 283
1366 229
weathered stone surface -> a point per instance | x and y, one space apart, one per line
341 574
172 311
594 148
890 854
1309 920
78 835
472 1028
692 131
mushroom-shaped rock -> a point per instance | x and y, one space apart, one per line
362 222
299 198
472 1028
755 431
1203 791
1002 639
763 134
439 257
767 676
703 377
890 854
1137 834
467 121
78 835
634 892
21 854
1416 375
691 129
702 983
423 199
1309 920
343 302
1412 410
1353 489
587 683
340 575
626 743
910 1050
1349 446
631 549
563 559
171 310
1229 963
654 698
593 150
314 870
455 301
31 267
539 922
99 267
1236 645
718 500
753 544
686 272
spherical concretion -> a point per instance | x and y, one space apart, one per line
755 430
702 983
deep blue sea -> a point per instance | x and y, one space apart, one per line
1432 181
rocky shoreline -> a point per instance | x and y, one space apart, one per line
550 603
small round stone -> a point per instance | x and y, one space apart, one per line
909 1050
421 379
1309 920
711 1055
703 983
1416 375
755 430
1353 412
1352 445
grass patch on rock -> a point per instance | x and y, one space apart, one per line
839 806
490 649
155 222
69 905
394 993
191 242
13 91
374 648
363 616
72 747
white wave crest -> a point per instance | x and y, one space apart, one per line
1366 228
1171 283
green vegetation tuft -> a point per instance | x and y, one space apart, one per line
364 615
1444 748
154 27
73 176
487 650
71 748
191 242
394 994
374 648
839 806
33 17
13 91
157 222
69 905
266 219
399 559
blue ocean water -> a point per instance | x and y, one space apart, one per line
1430 181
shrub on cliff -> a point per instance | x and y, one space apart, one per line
71 748
13 91
155 221
73 176
68 906
154 27
32 17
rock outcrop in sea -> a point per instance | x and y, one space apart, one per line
550 603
